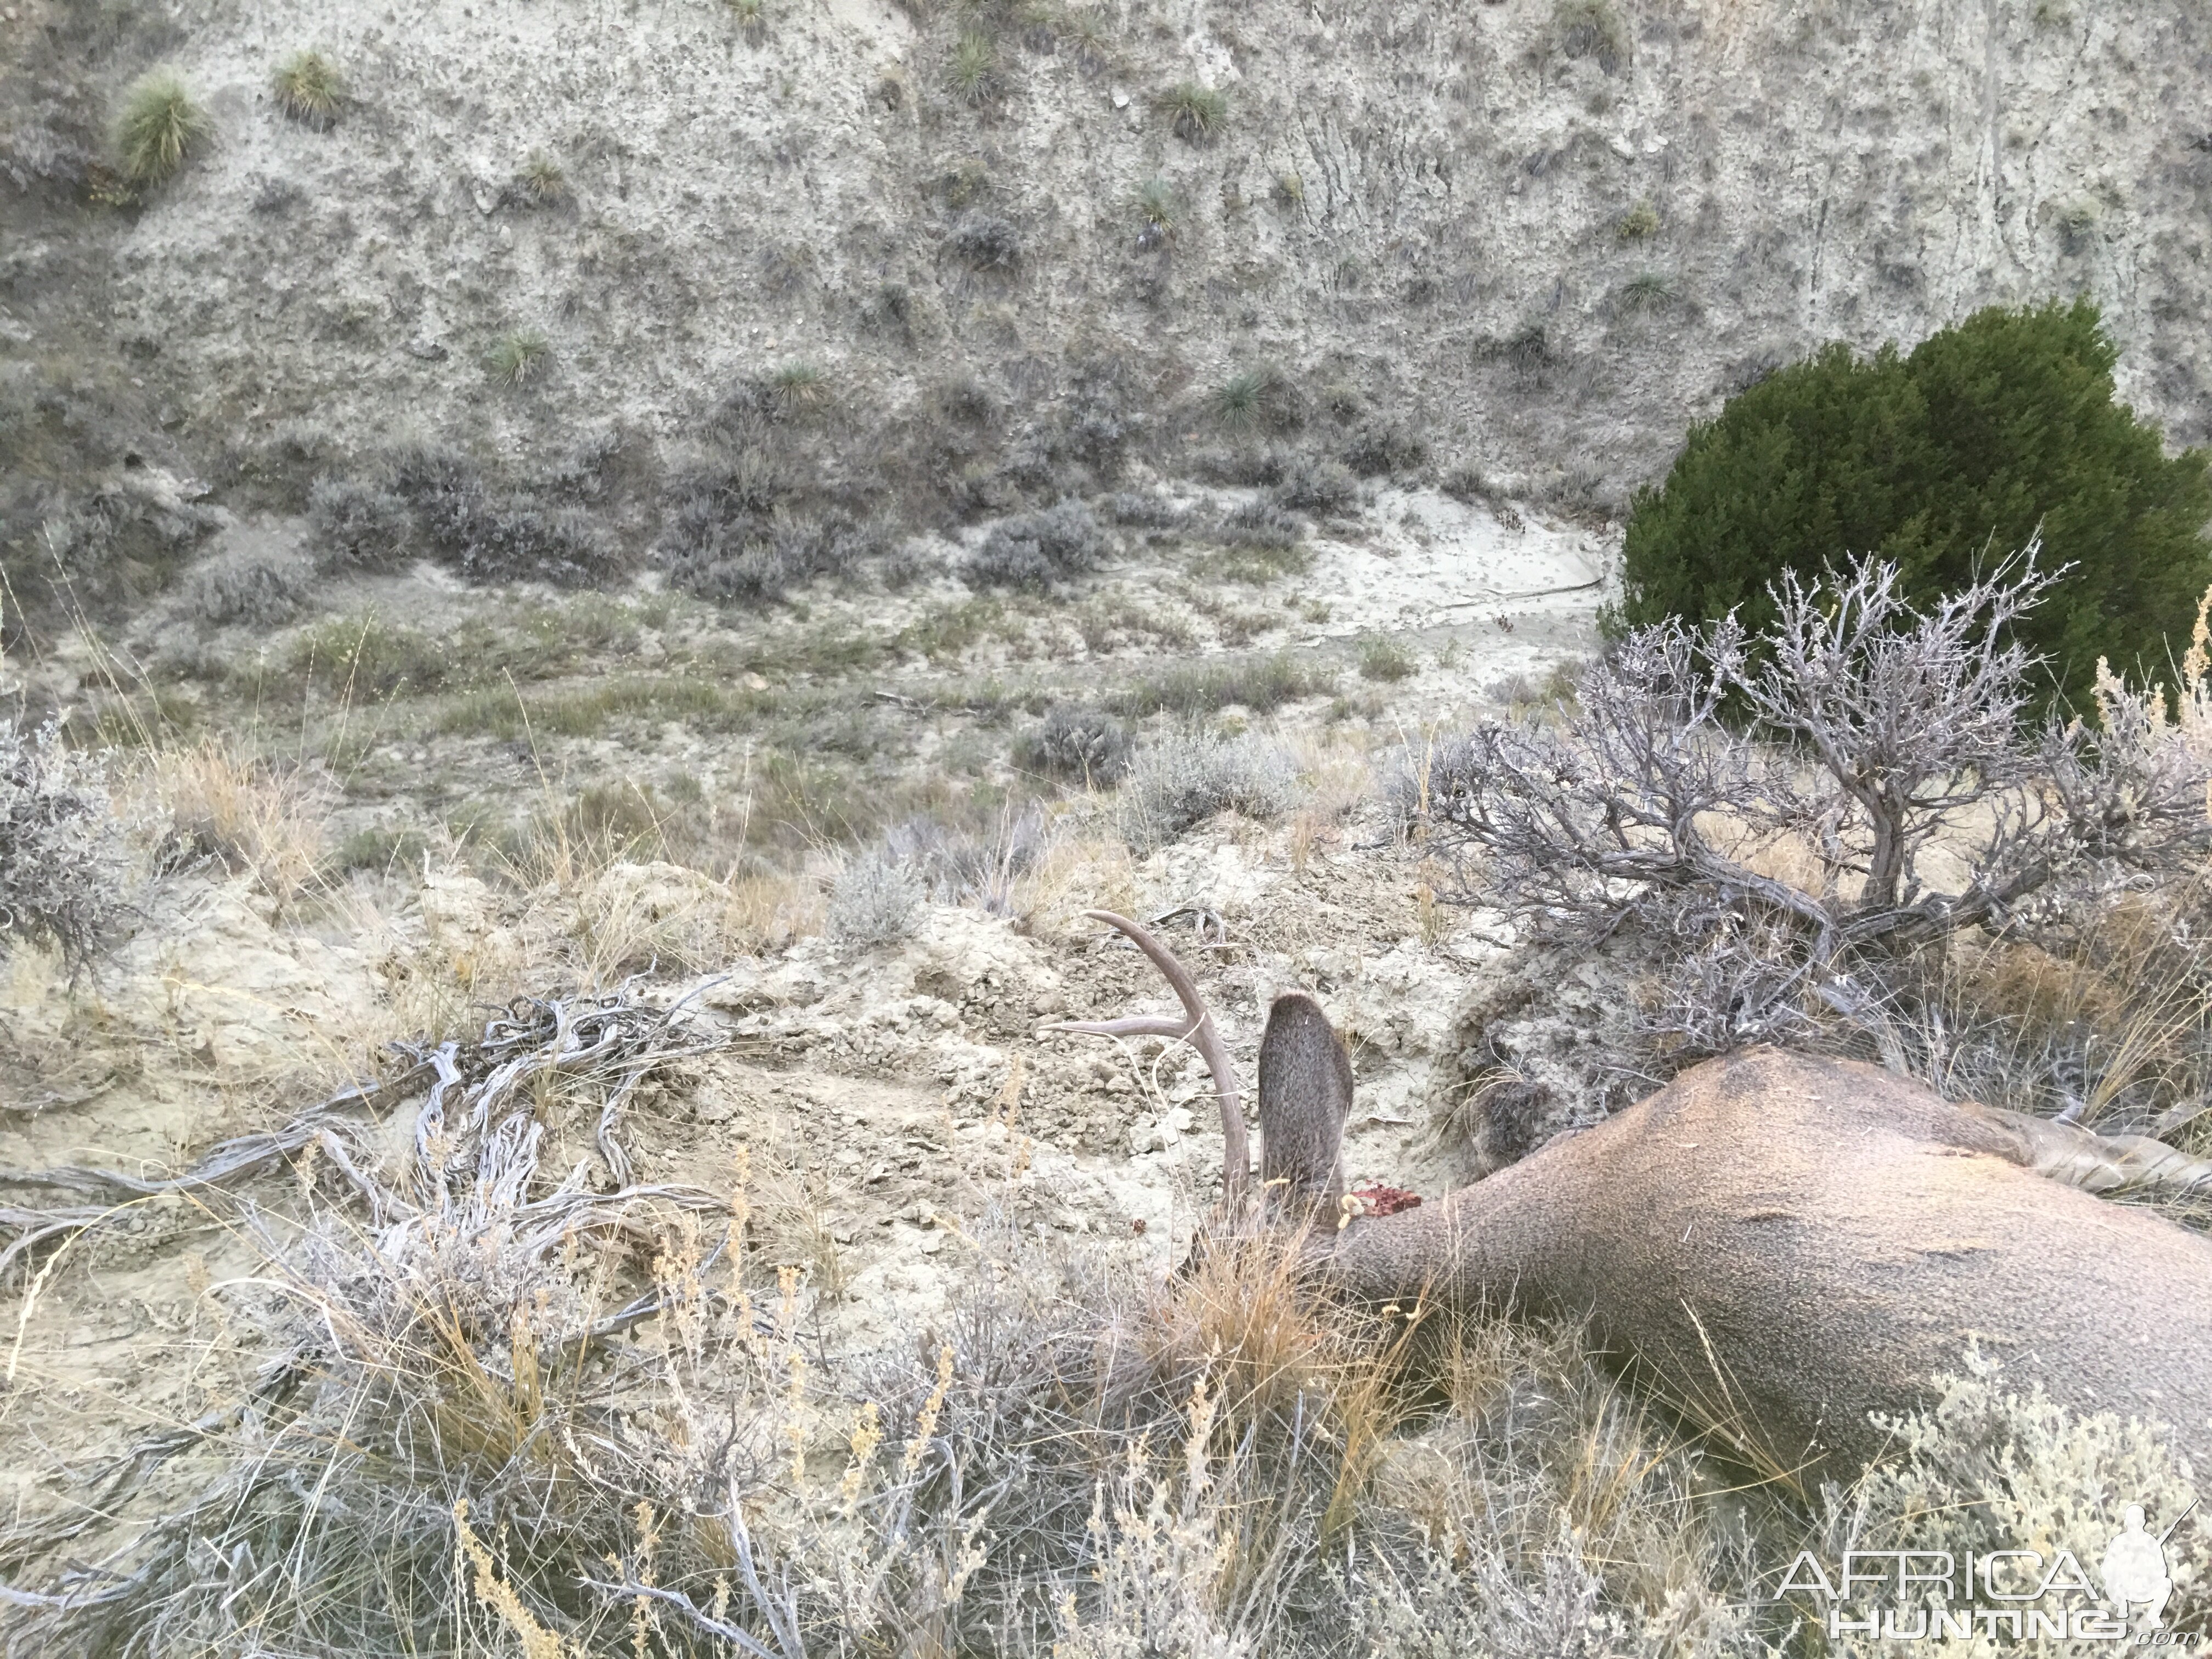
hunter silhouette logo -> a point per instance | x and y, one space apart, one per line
2023 1594
2135 1566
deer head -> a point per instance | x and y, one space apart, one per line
1305 1085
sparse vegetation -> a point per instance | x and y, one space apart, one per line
1591 28
1086 744
1324 488
1037 550
518 358
1385 660
259 590
1157 208
541 182
1179 781
1260 399
60 848
1195 112
1384 448
874 902
1261 525
751 17
1260 684
973 75
1639 224
986 241
798 389
1647 291
160 126
309 89
357 526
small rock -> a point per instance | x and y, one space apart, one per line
1179 1120
932 1244
1120 99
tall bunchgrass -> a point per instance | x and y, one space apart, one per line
308 89
159 127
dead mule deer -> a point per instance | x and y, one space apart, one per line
1780 1245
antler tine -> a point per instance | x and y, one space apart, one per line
1197 1028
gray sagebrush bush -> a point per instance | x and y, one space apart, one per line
357 526
1990 1467
60 848
965 866
1853 736
1177 782
1077 741
1262 524
874 901
1322 486
986 242
1142 509
1039 550
258 589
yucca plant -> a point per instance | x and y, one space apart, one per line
973 77
160 126
1647 292
308 88
1195 112
541 183
1156 202
797 388
518 357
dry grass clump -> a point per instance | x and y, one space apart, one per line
541 182
1082 744
260 820
661 917
518 358
1262 684
2104 1015
1195 113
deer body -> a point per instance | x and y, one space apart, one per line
1780 1244
1786 1244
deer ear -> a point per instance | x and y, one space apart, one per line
1305 1095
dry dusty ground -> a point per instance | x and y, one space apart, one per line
883 1103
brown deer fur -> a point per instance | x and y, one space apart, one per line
1786 1244
1781 1245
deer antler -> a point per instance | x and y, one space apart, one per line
1197 1028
